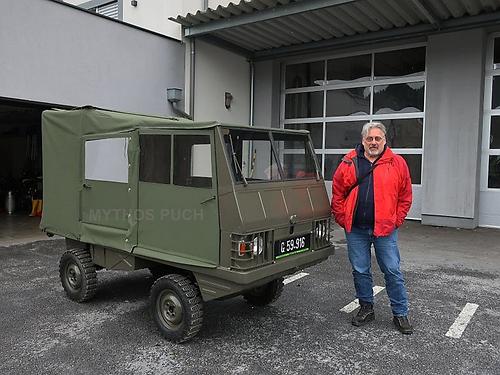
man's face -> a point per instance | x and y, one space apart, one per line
374 142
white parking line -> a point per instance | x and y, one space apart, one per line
355 304
292 278
458 327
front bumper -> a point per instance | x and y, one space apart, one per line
224 282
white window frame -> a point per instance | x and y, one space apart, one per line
489 72
368 82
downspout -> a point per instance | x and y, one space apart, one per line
192 77
252 91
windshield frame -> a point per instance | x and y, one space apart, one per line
233 158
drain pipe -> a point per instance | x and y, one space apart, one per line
192 76
252 91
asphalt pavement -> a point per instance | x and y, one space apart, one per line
304 332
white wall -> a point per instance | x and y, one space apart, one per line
215 3
71 57
218 71
154 14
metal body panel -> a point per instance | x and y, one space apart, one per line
225 234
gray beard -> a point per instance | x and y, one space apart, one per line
373 152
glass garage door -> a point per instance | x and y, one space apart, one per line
489 197
334 97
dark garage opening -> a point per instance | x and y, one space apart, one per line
21 168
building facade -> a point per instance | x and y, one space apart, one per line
430 71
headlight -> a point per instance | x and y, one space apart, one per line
321 230
257 245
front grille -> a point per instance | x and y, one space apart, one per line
321 233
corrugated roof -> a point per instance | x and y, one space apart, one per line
258 27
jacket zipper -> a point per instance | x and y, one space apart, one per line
366 197
356 172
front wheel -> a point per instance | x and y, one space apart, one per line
176 307
265 294
78 275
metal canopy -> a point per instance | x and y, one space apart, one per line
262 29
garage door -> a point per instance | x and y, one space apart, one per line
489 198
333 97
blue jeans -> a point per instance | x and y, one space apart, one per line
359 243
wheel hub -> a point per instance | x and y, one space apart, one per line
74 276
170 309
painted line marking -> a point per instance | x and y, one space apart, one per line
355 304
293 278
458 327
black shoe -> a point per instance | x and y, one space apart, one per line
403 325
364 315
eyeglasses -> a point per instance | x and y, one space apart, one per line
376 139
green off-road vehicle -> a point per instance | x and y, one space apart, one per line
212 210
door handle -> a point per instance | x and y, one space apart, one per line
87 186
208 199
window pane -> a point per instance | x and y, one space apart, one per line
332 161
192 161
316 130
306 74
495 132
349 68
495 101
496 54
300 164
400 63
494 172
348 102
402 98
107 160
306 104
415 165
404 133
155 156
343 134
251 156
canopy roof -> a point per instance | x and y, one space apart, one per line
263 29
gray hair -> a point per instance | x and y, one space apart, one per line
372 125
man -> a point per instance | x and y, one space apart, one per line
371 198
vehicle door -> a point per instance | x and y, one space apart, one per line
109 190
178 204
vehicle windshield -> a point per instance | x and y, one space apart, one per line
257 156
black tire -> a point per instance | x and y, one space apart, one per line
78 275
265 294
176 307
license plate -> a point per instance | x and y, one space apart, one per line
293 245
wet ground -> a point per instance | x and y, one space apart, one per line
304 332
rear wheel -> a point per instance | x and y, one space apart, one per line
176 307
265 294
78 274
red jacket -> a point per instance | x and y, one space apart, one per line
391 189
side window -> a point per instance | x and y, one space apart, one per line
155 158
107 160
193 161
